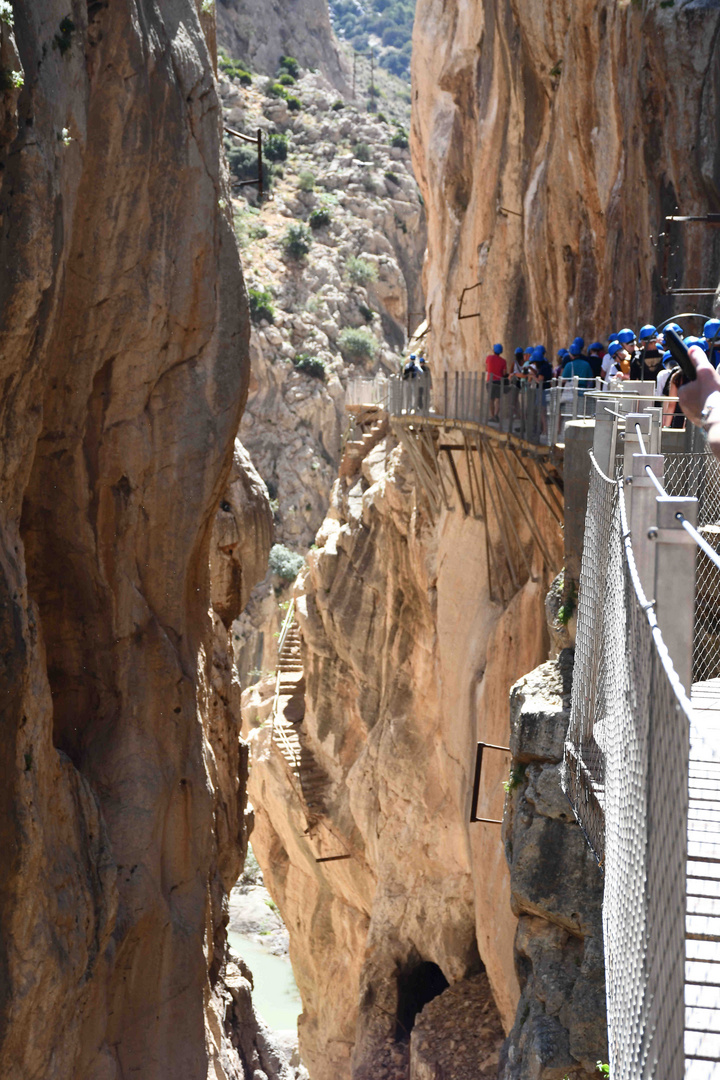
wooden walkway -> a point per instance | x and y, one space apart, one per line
702 952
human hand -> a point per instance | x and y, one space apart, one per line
694 395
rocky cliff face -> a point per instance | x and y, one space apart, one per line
124 371
549 142
407 662
260 34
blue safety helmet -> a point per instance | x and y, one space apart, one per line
519 351
668 360
579 341
596 346
612 337
413 356
626 335
575 348
614 347
497 349
700 342
711 329
676 327
648 331
563 353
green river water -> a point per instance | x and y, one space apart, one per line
275 996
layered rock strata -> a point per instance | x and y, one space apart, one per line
549 141
124 371
407 662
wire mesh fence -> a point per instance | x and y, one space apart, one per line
699 474
626 769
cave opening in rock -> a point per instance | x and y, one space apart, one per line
417 984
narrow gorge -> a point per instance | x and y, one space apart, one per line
191 484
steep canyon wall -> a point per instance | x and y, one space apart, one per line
549 141
124 367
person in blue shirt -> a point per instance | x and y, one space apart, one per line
578 366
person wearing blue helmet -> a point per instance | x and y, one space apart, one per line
412 368
577 366
496 372
668 366
711 330
648 361
562 358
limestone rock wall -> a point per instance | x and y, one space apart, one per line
261 33
407 663
123 365
587 122
556 889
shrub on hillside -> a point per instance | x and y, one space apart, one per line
276 147
311 366
234 69
357 344
400 139
319 217
285 79
243 163
306 181
294 104
392 177
297 241
290 65
360 271
285 563
261 306
275 89
362 152
338 105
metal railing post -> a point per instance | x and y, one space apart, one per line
643 516
675 582
605 438
632 441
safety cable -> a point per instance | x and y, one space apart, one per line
699 540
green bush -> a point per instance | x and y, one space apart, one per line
243 163
294 104
357 344
297 241
285 79
362 152
261 306
276 89
311 366
290 65
306 181
367 313
319 217
285 563
400 139
234 69
392 177
360 271
338 105
276 147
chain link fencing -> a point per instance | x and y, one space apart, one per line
626 774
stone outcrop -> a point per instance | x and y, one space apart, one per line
260 33
294 423
549 141
124 368
556 890
407 662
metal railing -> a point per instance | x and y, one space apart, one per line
640 772
367 391
514 406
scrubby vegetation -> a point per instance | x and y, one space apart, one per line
319 217
311 365
276 147
234 69
357 344
283 562
360 271
306 181
297 241
261 305
242 159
